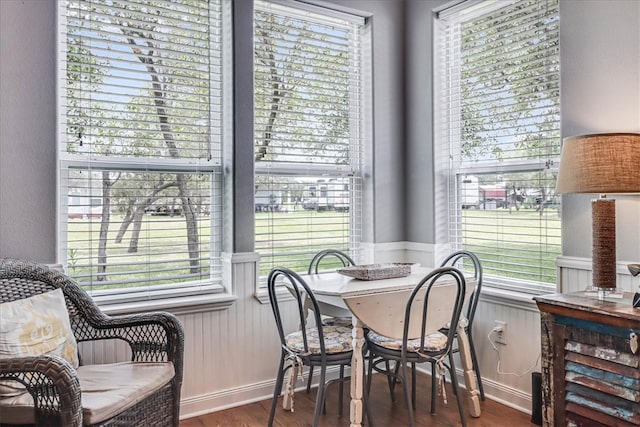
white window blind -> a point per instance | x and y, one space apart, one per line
140 144
498 136
309 96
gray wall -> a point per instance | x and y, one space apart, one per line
28 130
600 92
388 179
420 216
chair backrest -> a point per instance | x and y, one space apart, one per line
304 299
21 279
342 257
436 300
474 297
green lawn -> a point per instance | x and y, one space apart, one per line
296 236
162 241
288 235
518 244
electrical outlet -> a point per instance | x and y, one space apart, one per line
501 332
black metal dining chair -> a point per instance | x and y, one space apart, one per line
305 341
333 258
466 320
435 301
343 259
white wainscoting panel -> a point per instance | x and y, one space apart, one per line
231 355
518 358
575 275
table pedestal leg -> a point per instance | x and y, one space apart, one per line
289 384
357 375
469 373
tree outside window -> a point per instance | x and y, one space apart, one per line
140 142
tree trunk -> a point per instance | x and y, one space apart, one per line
138 213
169 140
126 222
278 93
192 224
104 227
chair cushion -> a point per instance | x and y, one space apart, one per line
35 326
464 322
337 339
107 390
337 321
433 342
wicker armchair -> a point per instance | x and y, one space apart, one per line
55 385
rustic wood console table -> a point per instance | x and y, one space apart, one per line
590 360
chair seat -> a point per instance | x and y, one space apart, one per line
433 342
337 339
107 390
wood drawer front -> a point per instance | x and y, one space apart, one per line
582 416
601 374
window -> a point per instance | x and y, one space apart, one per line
308 123
498 137
140 146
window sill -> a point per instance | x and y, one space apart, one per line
187 304
180 300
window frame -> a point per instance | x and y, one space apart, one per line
449 166
360 124
184 297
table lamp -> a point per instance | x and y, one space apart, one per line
601 164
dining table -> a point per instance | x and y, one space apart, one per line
380 305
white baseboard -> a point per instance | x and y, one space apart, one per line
238 396
503 394
508 396
212 402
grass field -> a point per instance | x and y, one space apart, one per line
162 242
530 241
518 244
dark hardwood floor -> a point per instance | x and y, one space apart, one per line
384 412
